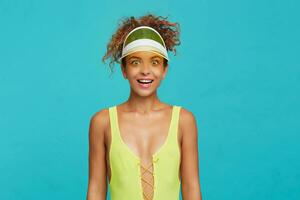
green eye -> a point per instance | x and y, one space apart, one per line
155 62
134 62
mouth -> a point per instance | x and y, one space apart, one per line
145 83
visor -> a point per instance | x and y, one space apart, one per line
144 38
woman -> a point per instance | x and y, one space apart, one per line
145 147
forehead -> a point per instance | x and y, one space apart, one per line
144 55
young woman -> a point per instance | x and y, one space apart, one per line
145 147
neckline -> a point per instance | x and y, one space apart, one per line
157 151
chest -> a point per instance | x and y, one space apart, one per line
143 135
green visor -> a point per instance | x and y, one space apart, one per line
144 38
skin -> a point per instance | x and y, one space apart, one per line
143 111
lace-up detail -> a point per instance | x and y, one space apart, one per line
148 180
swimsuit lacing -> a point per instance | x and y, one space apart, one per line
147 169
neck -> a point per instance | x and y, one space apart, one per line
142 104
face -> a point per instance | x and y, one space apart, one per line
144 71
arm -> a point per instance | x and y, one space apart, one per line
189 163
97 169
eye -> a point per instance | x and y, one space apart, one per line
134 62
155 62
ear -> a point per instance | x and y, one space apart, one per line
123 69
165 70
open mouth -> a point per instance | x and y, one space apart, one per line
145 81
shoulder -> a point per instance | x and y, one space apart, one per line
187 121
99 122
186 116
100 117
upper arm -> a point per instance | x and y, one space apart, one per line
97 165
189 163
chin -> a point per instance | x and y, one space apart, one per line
143 93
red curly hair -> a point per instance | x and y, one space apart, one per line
168 30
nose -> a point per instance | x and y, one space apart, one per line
145 69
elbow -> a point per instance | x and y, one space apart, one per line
95 194
191 191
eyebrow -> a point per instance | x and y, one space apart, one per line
140 58
155 57
134 57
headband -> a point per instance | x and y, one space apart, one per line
144 38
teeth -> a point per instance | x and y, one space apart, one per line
145 81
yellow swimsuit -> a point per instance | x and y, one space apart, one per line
130 179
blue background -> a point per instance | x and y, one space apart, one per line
237 70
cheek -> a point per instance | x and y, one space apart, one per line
131 72
132 76
158 73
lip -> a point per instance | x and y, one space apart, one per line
145 86
145 78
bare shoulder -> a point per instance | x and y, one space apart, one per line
99 122
187 117
101 116
187 122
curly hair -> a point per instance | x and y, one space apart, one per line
168 30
